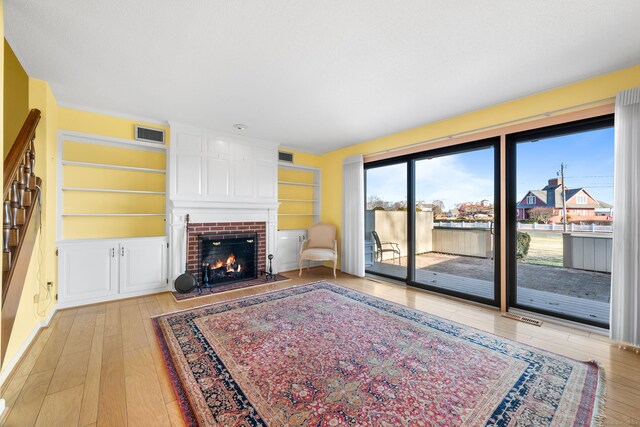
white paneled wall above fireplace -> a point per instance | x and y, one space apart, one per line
207 166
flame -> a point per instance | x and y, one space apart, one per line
228 264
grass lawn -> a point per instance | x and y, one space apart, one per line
545 248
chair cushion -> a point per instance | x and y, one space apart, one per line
318 254
322 235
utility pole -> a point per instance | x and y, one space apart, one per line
564 197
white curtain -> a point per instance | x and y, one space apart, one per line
353 215
625 273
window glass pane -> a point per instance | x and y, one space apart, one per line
564 242
386 221
454 230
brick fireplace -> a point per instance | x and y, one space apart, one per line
229 230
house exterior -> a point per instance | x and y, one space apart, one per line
581 206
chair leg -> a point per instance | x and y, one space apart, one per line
300 267
334 269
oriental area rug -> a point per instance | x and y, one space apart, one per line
323 355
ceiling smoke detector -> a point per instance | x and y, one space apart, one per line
239 126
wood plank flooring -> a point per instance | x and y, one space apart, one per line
100 365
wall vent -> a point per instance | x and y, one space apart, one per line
283 156
149 134
529 320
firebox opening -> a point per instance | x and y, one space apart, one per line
227 258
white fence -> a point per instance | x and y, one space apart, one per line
540 227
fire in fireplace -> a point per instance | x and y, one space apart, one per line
227 258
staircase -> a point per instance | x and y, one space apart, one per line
20 226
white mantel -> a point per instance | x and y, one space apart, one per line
216 177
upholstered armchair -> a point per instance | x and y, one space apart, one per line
320 245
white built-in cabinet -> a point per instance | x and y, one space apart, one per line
215 167
288 248
99 270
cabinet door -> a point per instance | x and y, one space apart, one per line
143 265
243 179
288 249
266 181
217 178
188 175
87 271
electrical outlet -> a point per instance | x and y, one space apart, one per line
36 298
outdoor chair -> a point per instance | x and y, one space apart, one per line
320 245
382 247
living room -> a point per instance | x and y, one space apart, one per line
248 124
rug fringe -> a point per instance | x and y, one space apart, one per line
598 418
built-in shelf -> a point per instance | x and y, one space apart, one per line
299 191
114 214
111 190
108 166
303 184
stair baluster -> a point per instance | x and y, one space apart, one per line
6 230
23 176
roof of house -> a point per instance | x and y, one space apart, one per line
551 197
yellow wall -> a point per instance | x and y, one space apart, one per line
87 177
16 97
37 300
101 124
585 91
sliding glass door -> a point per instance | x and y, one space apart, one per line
561 220
455 216
430 220
386 247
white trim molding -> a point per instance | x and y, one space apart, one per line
11 364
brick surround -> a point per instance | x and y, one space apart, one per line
196 229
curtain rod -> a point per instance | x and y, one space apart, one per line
497 125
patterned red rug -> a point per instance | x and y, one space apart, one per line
179 296
321 355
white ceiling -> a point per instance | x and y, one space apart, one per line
315 75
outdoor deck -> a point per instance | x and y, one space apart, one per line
482 285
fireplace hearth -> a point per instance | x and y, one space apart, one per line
226 258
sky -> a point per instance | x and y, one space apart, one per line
468 177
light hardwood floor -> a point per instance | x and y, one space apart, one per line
100 364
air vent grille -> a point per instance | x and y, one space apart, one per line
283 156
149 134
529 320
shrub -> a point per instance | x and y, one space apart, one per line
522 244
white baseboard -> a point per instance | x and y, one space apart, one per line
25 345
97 300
